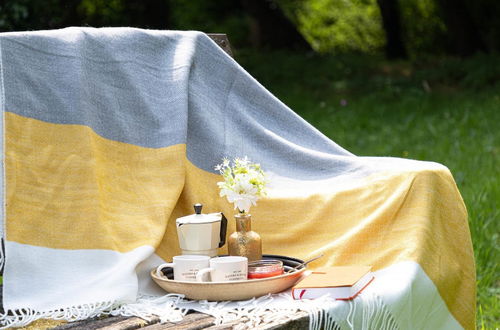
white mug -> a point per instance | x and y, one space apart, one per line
223 269
185 267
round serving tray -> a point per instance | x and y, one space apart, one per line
234 290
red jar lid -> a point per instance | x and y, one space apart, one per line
264 268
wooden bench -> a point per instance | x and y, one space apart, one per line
192 321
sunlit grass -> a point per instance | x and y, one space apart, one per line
446 111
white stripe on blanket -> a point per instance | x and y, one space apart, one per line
65 267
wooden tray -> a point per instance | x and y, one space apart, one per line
234 290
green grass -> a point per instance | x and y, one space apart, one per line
443 110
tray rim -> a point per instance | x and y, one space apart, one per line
257 280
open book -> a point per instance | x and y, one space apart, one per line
341 283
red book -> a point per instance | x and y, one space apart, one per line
341 283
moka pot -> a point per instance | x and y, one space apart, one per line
201 234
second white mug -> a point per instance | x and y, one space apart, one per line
224 269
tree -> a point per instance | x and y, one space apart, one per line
151 14
269 27
391 21
16 15
248 23
20 15
465 38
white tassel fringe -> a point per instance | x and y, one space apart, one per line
364 312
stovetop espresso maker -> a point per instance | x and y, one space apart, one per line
200 233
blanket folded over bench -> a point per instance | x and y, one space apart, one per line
111 134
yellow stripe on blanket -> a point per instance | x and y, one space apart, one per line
81 191
66 176
378 220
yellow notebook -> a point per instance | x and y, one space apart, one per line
341 283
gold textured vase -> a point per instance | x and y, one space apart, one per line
245 242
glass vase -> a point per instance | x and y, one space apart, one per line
244 241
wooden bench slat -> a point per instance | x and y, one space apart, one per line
192 321
109 323
222 40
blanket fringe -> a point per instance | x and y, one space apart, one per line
23 317
254 313
165 307
364 312
145 307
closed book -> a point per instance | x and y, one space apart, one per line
341 283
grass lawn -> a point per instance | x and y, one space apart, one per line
443 110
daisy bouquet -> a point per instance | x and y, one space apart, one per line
244 182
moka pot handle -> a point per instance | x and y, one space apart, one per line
223 229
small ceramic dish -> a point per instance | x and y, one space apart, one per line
264 268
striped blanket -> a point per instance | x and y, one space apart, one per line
111 134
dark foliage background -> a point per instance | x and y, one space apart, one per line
402 28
